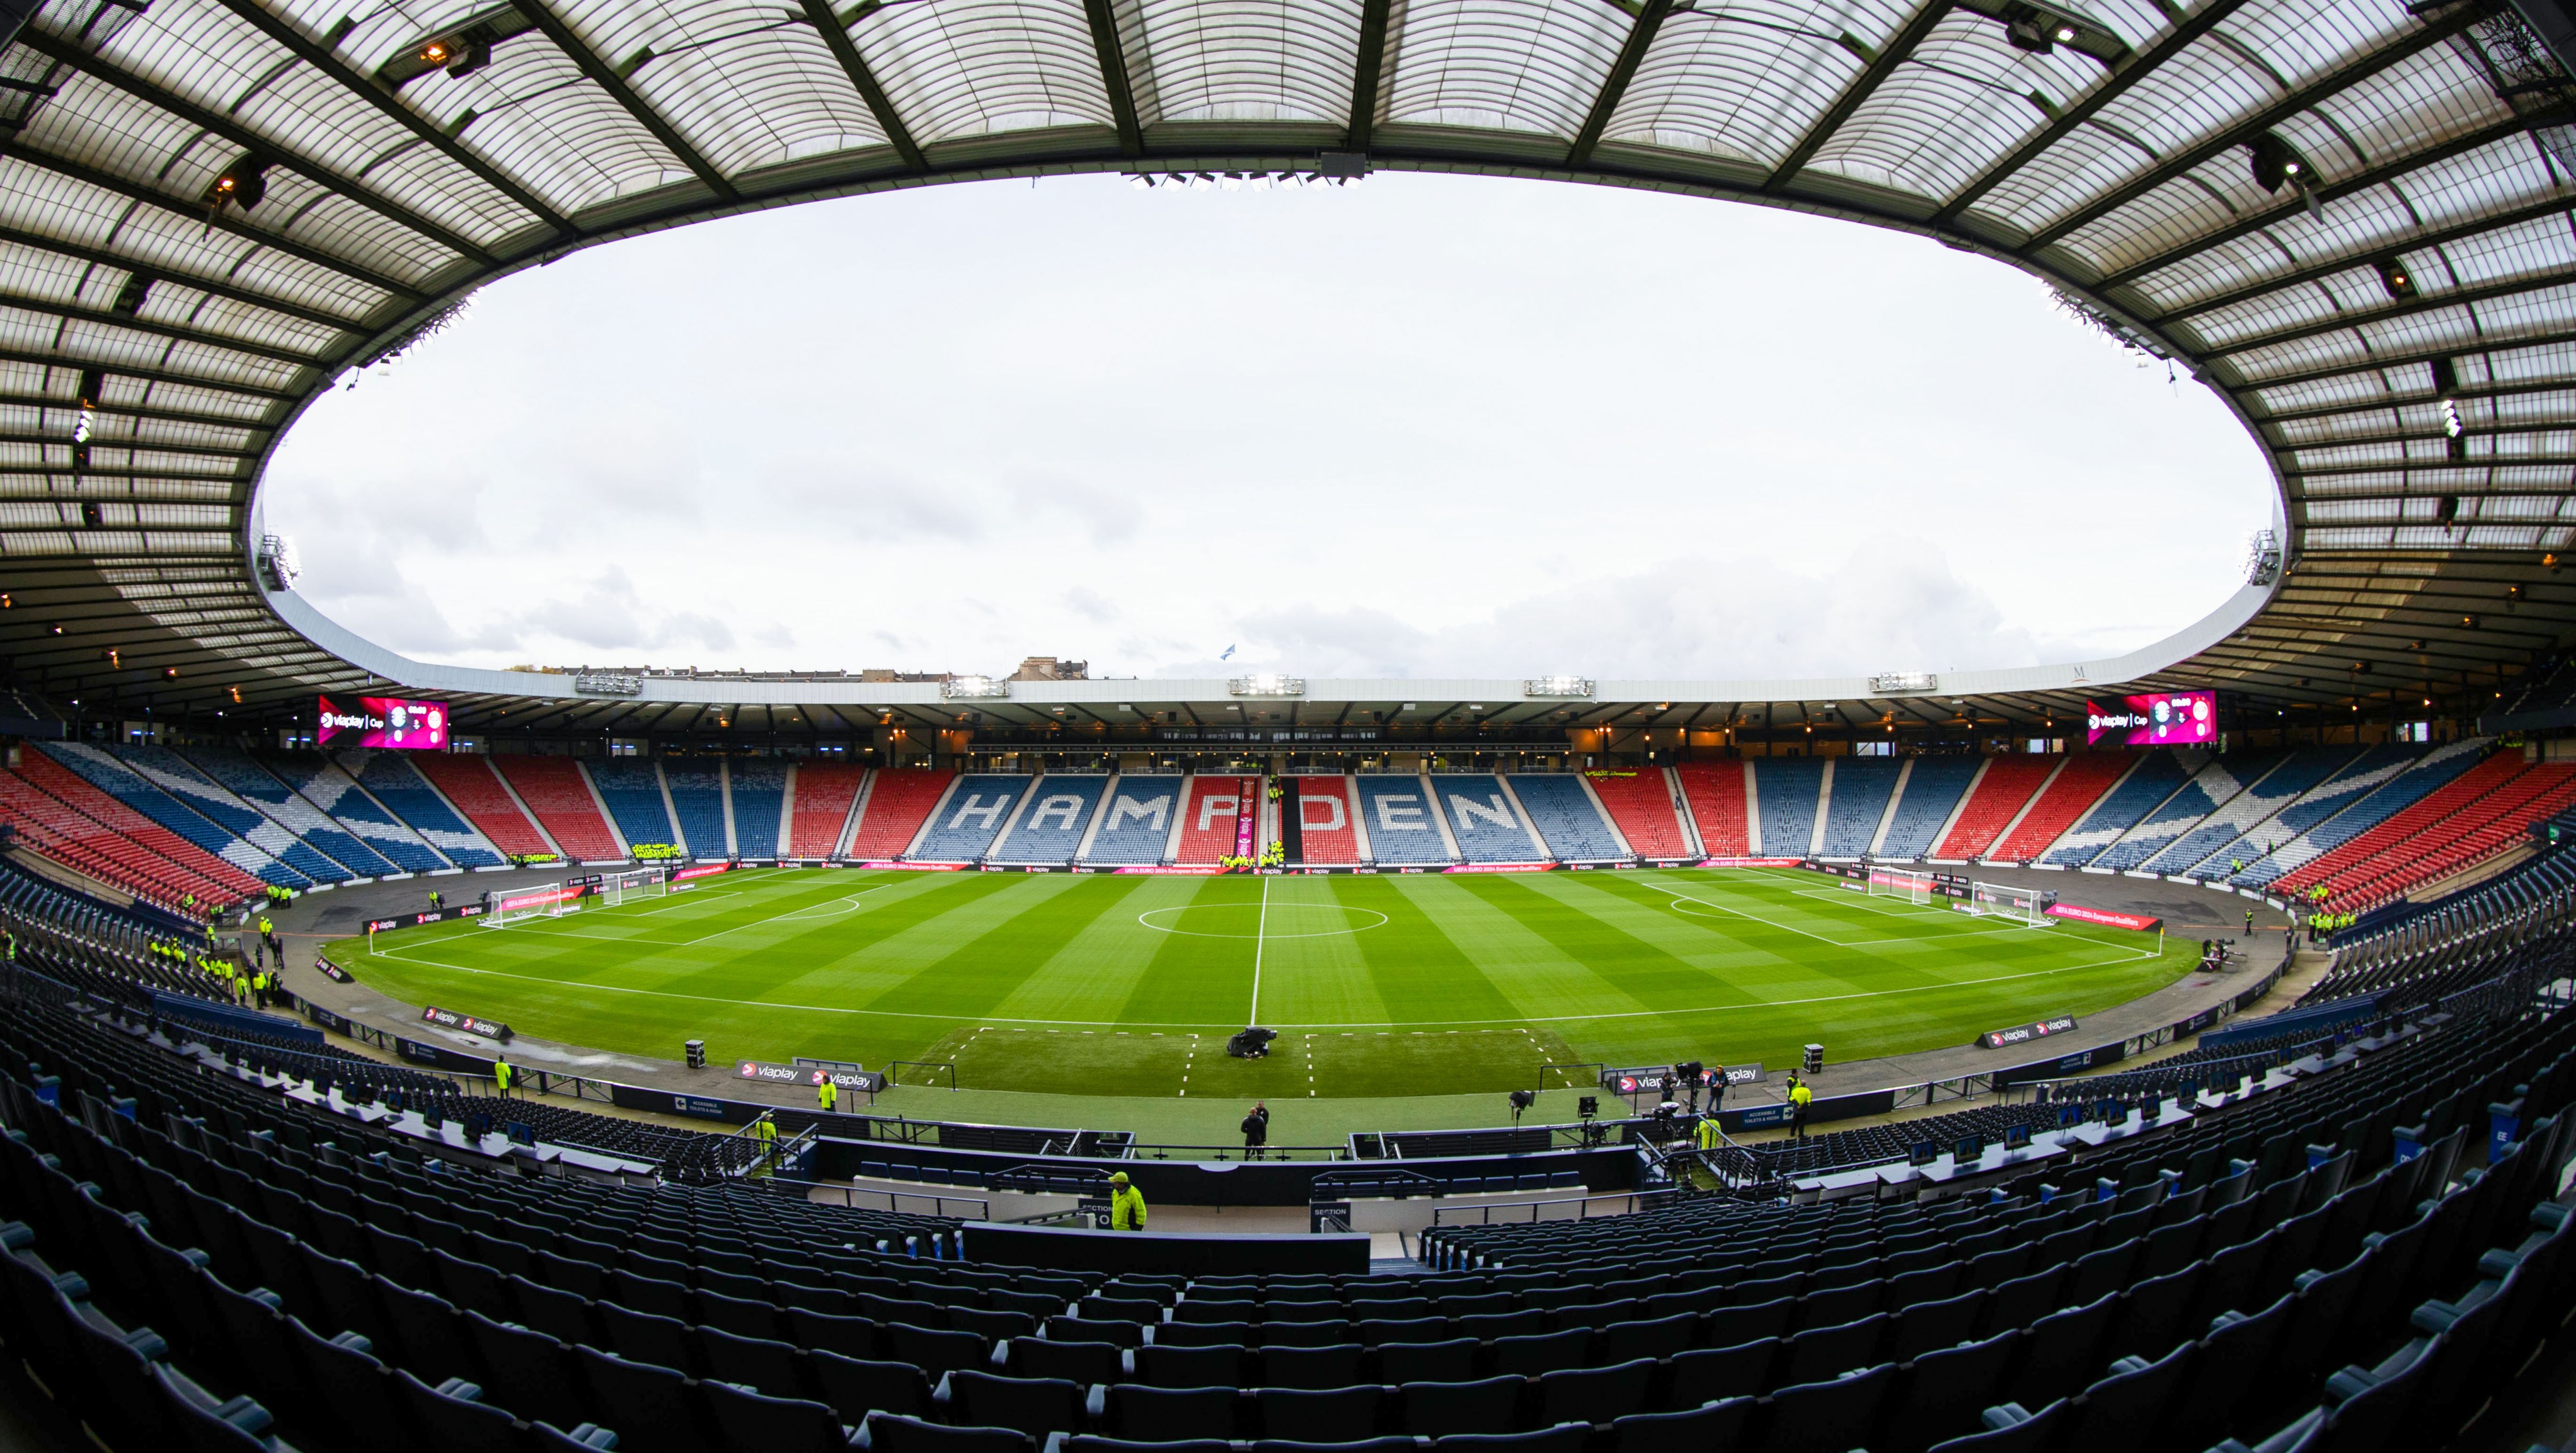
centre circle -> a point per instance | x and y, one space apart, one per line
1253 928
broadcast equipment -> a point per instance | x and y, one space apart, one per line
1587 1106
2022 905
1522 1100
1253 1043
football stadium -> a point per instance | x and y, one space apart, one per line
2159 1048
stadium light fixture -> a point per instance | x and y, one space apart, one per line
2394 278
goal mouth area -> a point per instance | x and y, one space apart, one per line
2027 906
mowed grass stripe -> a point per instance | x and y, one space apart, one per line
1324 978
1423 972
1000 942
1190 980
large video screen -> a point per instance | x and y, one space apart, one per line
384 721
2162 719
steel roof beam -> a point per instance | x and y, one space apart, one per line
2394 169
186 211
189 451
1641 36
2418 466
134 411
2495 391
2398 308
590 65
99 68
2083 108
176 332
2351 73
312 53
1882 65
1113 74
101 257
147 375
2415 358
1366 75
862 80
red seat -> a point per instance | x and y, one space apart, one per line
824 792
899 802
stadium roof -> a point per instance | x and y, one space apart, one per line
2349 217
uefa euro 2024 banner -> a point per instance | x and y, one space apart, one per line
384 721
2158 719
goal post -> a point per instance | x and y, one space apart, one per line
2000 900
546 900
1890 883
616 888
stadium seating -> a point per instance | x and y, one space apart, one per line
1061 806
210 799
58 813
825 792
1715 792
1483 820
1136 826
1932 789
260 789
117 780
2156 775
1994 801
898 802
632 789
320 781
466 783
1861 787
2486 810
2061 804
974 815
2356 802
1568 821
1643 804
2218 782
1324 808
1785 791
97 945
2208 850
1395 811
759 793
697 788
560 796
1209 811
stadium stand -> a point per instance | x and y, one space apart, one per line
57 813
260 789
1209 810
131 788
2208 843
320 781
1324 817
89 940
632 789
1136 827
1715 793
461 783
2157 775
2356 802
1861 787
825 792
1644 805
899 801
1060 810
697 804
1993 802
1395 810
1569 824
1482 819
1785 793
2484 811
218 804
759 793
2218 782
1932 788
2060 804
972 817
560 797
2357 779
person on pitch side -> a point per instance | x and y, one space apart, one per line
1126 1204
1799 1098
827 1094
1256 1130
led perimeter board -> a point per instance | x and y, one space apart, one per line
384 721
2159 719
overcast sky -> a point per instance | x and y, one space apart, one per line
1418 426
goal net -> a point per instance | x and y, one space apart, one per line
546 900
1912 887
2022 905
616 888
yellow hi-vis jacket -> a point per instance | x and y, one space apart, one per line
1708 1133
1126 1209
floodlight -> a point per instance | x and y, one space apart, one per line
243 184
2394 278
2276 163
2451 424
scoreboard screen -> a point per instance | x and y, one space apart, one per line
384 721
2159 719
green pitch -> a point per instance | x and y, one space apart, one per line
1380 986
